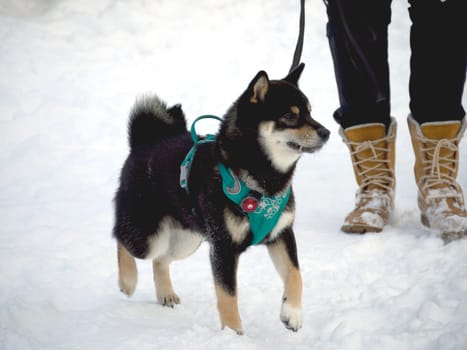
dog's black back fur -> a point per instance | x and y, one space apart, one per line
149 182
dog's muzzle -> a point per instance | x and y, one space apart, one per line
311 144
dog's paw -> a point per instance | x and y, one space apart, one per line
169 300
127 286
291 316
237 327
239 331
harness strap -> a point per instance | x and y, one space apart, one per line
265 214
186 163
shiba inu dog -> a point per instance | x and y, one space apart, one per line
255 152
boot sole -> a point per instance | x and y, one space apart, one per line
360 229
445 236
448 237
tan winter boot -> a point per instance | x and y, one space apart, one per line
440 197
373 159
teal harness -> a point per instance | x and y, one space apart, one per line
263 211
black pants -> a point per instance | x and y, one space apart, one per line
358 38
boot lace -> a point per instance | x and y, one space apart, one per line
374 170
437 181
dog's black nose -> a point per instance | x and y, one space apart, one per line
323 133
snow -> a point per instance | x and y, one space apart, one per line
69 74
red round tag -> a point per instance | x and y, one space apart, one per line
249 204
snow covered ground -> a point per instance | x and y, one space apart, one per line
69 73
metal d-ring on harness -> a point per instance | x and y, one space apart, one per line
263 211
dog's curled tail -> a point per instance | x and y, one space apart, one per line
151 121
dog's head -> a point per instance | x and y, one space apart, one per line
278 115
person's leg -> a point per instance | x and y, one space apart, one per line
438 70
357 32
438 40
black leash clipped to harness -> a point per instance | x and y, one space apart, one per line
301 33
263 211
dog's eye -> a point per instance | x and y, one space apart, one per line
290 116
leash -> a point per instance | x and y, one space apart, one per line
301 33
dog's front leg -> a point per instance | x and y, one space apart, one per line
283 253
224 266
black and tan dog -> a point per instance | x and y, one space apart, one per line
260 140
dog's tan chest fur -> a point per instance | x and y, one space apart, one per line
286 220
237 226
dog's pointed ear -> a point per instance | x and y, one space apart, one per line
258 87
295 74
